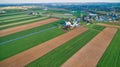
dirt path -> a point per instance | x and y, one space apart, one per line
90 54
36 52
108 25
25 27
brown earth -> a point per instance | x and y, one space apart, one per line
108 25
25 27
36 52
90 54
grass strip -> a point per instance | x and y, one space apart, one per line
24 18
19 20
12 14
12 17
22 23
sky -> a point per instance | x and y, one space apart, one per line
49 1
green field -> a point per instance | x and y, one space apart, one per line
79 13
95 27
59 15
59 55
12 17
111 57
17 46
24 18
23 22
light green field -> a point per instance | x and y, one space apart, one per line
17 19
11 14
22 22
12 17
58 15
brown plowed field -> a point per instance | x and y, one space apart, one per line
36 52
108 25
25 27
90 54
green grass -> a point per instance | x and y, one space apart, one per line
111 57
58 15
8 11
79 13
24 18
22 23
12 14
95 27
14 47
12 17
59 55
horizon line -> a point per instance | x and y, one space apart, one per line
59 2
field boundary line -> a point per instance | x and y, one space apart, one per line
26 26
89 55
26 57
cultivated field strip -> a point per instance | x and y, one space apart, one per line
34 53
38 32
90 54
108 25
111 57
25 27
12 14
22 22
17 20
12 17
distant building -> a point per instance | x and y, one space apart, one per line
45 9
67 14
2 11
34 13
